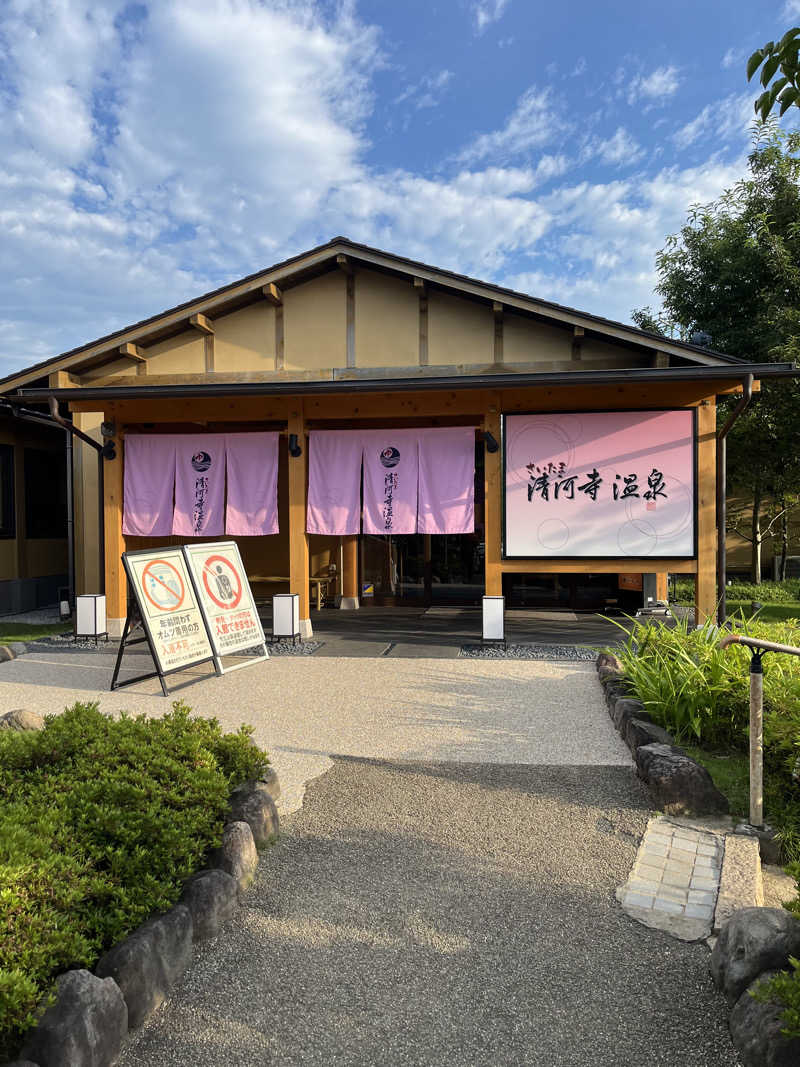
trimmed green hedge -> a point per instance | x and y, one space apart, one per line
101 822
787 592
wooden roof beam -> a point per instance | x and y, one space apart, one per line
344 263
201 323
132 352
272 294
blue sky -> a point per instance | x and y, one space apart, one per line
150 152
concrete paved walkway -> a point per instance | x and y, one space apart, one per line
428 913
306 709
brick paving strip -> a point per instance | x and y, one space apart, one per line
675 880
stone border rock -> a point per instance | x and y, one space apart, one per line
753 946
92 1013
678 784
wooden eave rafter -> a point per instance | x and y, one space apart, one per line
272 294
201 323
346 256
132 351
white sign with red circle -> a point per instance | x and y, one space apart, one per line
225 599
169 608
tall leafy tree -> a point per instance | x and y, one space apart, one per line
779 62
732 275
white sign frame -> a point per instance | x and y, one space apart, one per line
213 611
618 530
138 565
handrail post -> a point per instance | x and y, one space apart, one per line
756 740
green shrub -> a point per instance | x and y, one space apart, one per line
686 682
101 823
767 592
785 987
700 693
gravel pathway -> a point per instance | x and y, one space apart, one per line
441 913
568 652
305 708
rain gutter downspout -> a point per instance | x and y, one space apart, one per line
73 431
722 468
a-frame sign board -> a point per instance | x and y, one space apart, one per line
165 606
226 602
194 605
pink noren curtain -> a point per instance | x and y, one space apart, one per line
390 481
252 466
447 480
334 482
149 482
199 485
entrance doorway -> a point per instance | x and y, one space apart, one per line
426 569
422 569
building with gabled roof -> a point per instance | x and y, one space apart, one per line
350 338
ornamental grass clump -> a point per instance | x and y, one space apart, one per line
686 682
101 822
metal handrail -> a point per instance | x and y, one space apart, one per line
756 642
758 649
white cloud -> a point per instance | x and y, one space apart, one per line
471 223
621 149
145 158
427 91
655 87
734 57
485 12
579 68
533 123
724 120
599 252
791 9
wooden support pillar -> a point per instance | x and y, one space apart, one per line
662 591
298 538
577 342
493 485
206 327
349 600
497 310
705 592
419 286
116 583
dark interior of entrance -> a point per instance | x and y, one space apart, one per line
424 570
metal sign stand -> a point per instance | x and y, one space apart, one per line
136 619
133 622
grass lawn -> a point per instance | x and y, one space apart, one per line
769 613
30 631
731 774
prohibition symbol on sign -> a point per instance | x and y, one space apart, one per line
222 582
163 585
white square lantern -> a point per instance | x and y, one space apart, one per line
90 616
494 609
286 615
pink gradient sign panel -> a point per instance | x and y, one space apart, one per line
600 484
